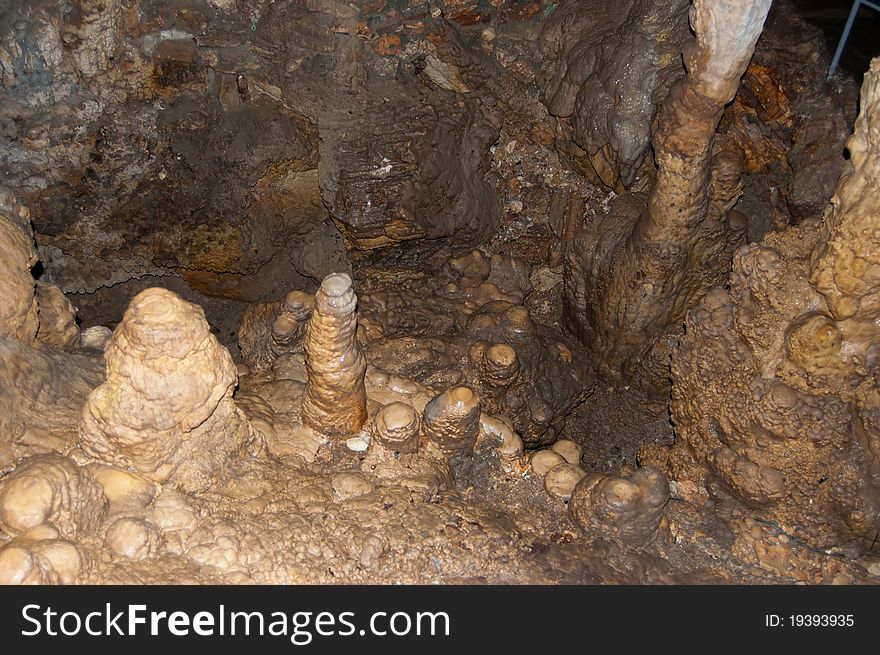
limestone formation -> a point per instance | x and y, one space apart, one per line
562 479
485 339
610 65
166 408
18 306
58 328
396 426
335 399
544 460
631 276
51 489
268 330
452 422
774 385
41 397
479 171
627 508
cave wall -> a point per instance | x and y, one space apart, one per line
226 142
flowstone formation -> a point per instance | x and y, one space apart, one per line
775 383
610 65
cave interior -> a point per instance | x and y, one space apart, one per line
447 291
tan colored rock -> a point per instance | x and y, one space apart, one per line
508 443
266 331
54 490
350 484
544 460
58 328
335 400
625 508
129 493
561 480
570 450
96 337
774 397
396 426
40 556
166 409
845 264
18 306
132 538
42 391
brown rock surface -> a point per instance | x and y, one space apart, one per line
780 413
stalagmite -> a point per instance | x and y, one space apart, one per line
452 421
396 426
335 400
166 408
627 508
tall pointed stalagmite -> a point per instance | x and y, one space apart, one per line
335 400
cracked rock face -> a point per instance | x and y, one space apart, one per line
166 407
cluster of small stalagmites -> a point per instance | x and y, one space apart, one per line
166 407
523 371
429 448
438 304
487 341
335 399
775 397
267 331
627 508
560 466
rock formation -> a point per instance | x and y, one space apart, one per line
774 384
18 305
610 65
627 508
335 400
631 275
452 421
191 391
166 408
